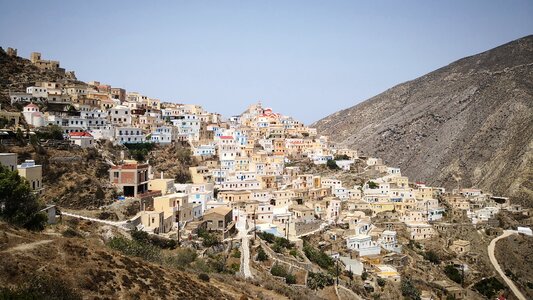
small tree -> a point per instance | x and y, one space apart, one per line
432 256
381 282
18 204
332 164
409 290
261 254
453 273
372 185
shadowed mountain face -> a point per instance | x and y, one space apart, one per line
467 124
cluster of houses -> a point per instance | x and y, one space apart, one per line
245 171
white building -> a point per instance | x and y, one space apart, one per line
120 115
164 135
82 139
363 245
129 135
33 116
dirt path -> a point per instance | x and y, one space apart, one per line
494 262
27 246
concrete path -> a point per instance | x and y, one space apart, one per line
112 223
494 262
245 245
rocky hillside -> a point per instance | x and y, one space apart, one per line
16 73
84 266
467 124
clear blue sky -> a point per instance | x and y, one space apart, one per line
303 58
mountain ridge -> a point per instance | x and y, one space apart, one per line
465 124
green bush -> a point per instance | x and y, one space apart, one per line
261 254
209 239
409 291
290 279
181 257
50 132
364 275
432 256
236 253
372 185
139 151
283 242
217 265
317 256
319 280
277 248
332 164
268 237
134 248
489 287
278 270
294 253
453 273
381 282
144 237
18 204
235 267
203 277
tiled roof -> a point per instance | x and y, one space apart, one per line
80 134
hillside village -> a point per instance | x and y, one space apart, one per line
267 182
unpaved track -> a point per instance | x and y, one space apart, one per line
494 262
27 246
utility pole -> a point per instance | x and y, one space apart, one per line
179 211
255 228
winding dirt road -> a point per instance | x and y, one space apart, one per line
494 262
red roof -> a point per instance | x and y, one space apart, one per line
80 134
226 137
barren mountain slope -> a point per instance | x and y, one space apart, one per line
467 124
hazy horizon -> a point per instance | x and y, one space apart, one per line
305 59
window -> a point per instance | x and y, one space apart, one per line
220 223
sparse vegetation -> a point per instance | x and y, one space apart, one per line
409 291
319 280
280 271
488 287
139 151
209 239
41 287
432 256
318 256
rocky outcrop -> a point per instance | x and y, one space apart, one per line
467 124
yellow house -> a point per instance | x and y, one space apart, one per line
200 174
163 185
230 196
33 174
382 206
